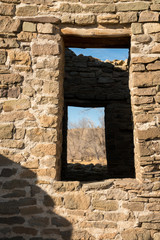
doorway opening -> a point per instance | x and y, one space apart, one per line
92 82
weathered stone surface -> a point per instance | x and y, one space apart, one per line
156 236
25 230
29 27
153 66
134 206
150 133
20 104
3 57
7 9
8 43
128 17
26 36
38 221
12 220
19 57
45 28
133 234
9 25
101 8
85 19
10 78
137 28
6 131
105 205
48 121
31 210
151 27
148 16
77 201
124 7
41 19
41 135
155 7
41 150
138 67
14 92
139 79
10 207
144 59
46 49
156 49
108 18
27 11
144 38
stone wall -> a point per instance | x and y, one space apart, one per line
34 205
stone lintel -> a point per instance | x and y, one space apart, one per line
42 19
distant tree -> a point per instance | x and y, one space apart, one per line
85 140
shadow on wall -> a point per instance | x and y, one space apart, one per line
26 211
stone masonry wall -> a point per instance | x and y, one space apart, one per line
34 205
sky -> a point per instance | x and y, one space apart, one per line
75 114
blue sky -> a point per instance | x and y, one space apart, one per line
75 114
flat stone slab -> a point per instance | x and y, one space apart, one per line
42 19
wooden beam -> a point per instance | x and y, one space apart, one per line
97 32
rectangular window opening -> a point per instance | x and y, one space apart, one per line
96 80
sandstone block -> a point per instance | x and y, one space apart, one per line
26 36
27 11
142 100
144 59
70 8
3 57
8 43
7 9
153 207
148 16
77 201
15 184
156 49
153 226
145 91
145 79
10 78
154 66
41 150
45 28
151 27
13 144
7 24
105 205
14 92
137 28
138 68
108 18
25 230
157 37
48 162
12 220
132 234
41 135
6 131
19 57
150 133
10 207
142 38
151 217
20 104
107 8
10 1
128 17
85 19
31 210
48 121
134 206
34 164
155 7
46 49
38 221
29 27
136 6
156 236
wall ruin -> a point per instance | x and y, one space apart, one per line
35 204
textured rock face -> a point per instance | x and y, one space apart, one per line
34 205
